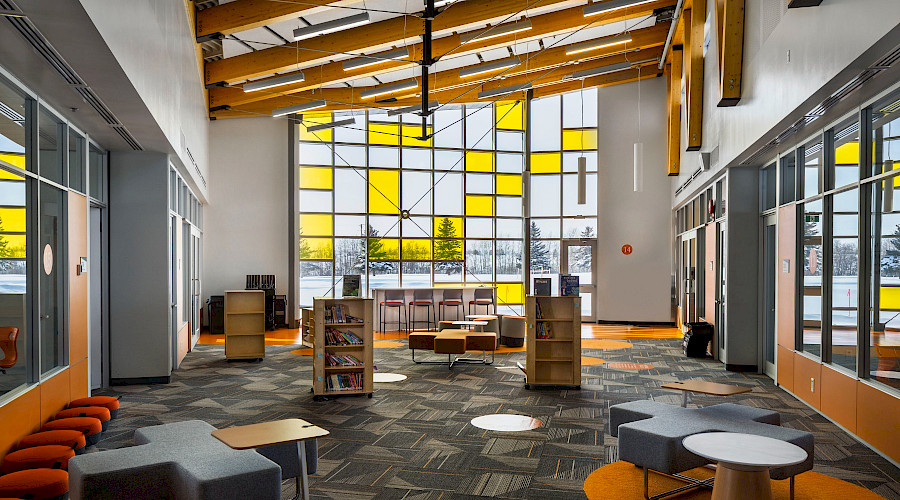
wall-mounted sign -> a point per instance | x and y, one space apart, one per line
627 249
786 265
48 259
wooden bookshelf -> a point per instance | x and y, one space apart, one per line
307 327
245 324
555 359
359 308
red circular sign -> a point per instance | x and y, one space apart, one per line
626 249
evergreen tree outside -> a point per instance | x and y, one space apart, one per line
447 249
540 256
378 254
582 258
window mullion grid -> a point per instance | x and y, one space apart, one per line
864 265
827 246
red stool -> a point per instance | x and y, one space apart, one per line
51 456
36 484
89 426
108 402
72 439
98 412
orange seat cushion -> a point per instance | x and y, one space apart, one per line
51 456
87 425
108 402
71 438
35 483
98 412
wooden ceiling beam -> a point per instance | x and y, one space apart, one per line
399 31
730 36
333 73
693 73
620 77
242 15
673 112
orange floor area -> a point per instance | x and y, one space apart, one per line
291 336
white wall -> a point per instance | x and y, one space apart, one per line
245 226
633 287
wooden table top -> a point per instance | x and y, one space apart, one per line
267 433
472 323
705 387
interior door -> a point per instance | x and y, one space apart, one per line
195 285
770 260
721 276
95 280
579 257
689 277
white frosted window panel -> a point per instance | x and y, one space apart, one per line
315 154
355 133
509 206
350 190
510 141
545 228
545 191
350 156
448 193
570 195
546 134
448 160
576 102
385 225
419 158
312 200
479 183
580 228
416 227
509 228
479 227
510 162
350 225
570 161
479 126
384 157
448 127
416 192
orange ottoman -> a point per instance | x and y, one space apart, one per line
51 456
39 484
89 426
98 412
108 402
72 439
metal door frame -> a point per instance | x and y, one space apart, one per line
564 245
768 220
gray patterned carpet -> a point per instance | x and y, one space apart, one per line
413 440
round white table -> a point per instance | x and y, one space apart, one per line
479 324
743 462
476 316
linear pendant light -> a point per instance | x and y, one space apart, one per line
502 91
11 13
390 88
599 43
299 108
274 82
601 7
364 61
412 109
495 31
490 67
335 124
604 70
331 26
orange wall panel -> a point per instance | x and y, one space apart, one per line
709 276
785 301
804 370
876 419
55 394
838 397
785 368
78 284
20 417
78 380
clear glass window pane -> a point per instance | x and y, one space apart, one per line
350 225
416 192
509 206
355 133
77 155
350 156
510 163
788 174
767 183
844 281
813 167
448 160
384 157
479 184
384 226
578 108
448 194
510 141
545 228
416 227
50 141
479 126
96 164
509 228
350 190
448 127
479 261
14 286
479 227
315 281
545 119
812 277
545 195
315 201
53 259
417 274
570 195
580 228
509 260
846 153
315 154
419 158
350 258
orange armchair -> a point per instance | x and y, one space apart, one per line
8 336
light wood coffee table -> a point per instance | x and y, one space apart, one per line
244 437
704 387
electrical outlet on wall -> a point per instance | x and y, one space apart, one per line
789 56
812 384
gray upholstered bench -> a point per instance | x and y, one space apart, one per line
182 460
650 436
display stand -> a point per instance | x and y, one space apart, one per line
245 324
553 341
342 347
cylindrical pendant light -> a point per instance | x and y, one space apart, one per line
582 180
888 188
638 167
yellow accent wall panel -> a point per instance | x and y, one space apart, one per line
316 119
546 163
316 224
411 132
890 298
12 220
384 249
15 245
479 161
416 249
847 154
316 248
384 134
509 184
316 178
510 115
14 159
384 191
510 293
479 205
579 139
448 227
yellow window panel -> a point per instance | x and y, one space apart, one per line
316 225
510 293
410 132
384 249
479 161
451 250
15 159
479 205
15 245
384 191
12 220
890 298
847 154
310 119
416 249
448 227
546 163
316 248
510 115
384 134
578 139
316 178
509 184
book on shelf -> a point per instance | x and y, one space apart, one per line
342 360
344 382
338 313
542 286
544 330
351 285
568 285
334 337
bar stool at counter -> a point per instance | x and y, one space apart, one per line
483 297
451 298
422 298
395 299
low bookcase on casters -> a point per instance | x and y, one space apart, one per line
553 338
342 347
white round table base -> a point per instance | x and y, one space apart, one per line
744 483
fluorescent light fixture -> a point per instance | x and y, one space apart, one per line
364 61
490 67
611 68
502 91
495 31
582 180
412 109
389 88
326 126
607 41
11 13
331 26
274 82
601 7
299 108
638 167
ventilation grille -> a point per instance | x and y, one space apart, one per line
42 46
11 113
